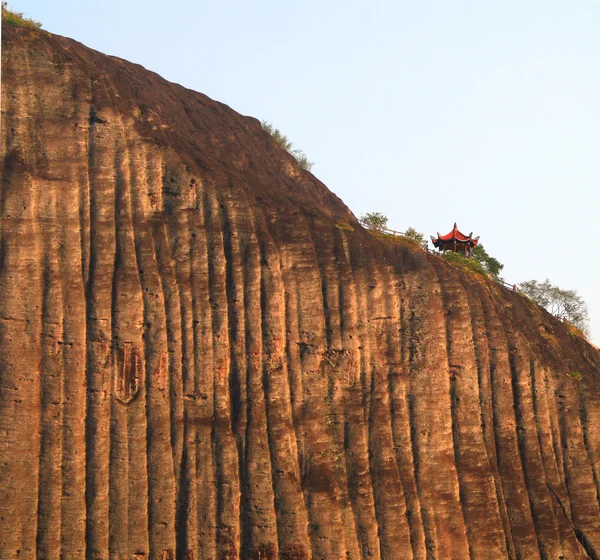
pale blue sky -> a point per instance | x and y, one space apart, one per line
485 113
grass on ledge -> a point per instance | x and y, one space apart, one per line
18 19
573 330
344 225
549 337
396 239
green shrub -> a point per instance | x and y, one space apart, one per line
575 375
412 234
18 19
490 264
276 134
283 141
302 160
471 265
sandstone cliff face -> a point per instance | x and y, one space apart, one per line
195 362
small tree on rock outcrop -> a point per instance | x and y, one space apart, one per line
374 220
412 233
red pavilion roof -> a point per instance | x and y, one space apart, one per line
455 235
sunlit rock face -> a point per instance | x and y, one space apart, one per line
203 355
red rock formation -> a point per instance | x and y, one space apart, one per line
196 362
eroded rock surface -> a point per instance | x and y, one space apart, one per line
197 362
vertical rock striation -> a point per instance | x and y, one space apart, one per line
196 361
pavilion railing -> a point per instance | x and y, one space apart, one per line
502 282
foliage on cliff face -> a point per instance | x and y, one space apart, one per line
416 236
567 305
18 19
471 265
278 136
285 143
480 263
344 225
490 264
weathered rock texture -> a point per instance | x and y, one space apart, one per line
196 362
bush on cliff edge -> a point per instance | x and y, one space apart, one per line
471 265
18 19
283 141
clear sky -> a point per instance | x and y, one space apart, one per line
485 113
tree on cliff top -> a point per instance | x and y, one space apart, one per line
412 233
374 220
567 305
490 264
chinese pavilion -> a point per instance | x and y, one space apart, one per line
456 241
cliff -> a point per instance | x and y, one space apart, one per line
197 362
